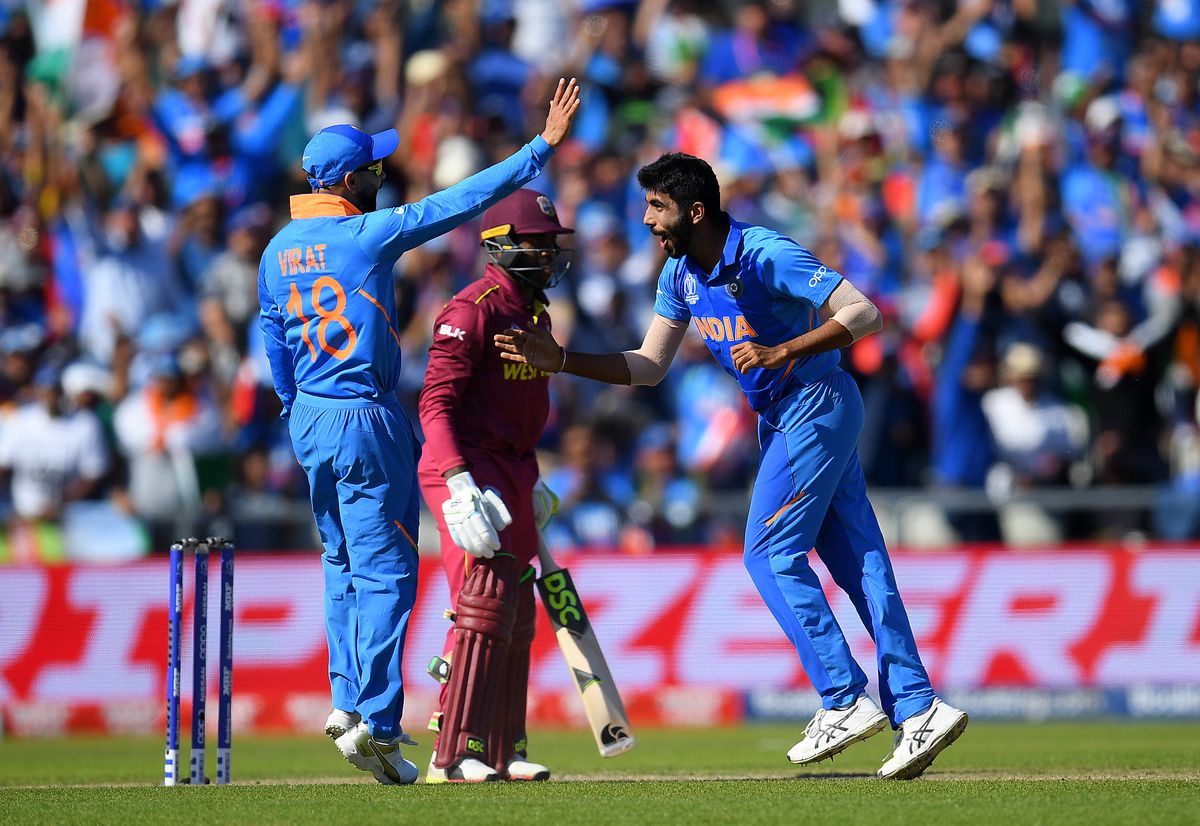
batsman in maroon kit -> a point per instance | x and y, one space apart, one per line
482 417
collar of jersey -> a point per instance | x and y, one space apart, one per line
322 205
729 255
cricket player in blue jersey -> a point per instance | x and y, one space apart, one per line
328 314
775 317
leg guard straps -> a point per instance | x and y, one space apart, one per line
508 736
483 629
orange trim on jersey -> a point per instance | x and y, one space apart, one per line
406 533
487 292
779 512
791 364
386 318
322 205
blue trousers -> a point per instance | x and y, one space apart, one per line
810 493
361 458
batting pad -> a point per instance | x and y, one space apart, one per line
508 735
483 630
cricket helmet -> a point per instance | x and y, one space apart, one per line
525 212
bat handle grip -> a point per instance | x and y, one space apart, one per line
546 561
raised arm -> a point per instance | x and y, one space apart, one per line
644 366
396 230
452 361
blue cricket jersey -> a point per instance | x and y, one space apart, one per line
326 297
766 288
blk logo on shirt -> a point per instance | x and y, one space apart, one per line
452 332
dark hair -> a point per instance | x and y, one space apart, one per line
685 179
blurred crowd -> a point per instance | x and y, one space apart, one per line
1016 184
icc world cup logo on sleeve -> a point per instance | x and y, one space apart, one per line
690 294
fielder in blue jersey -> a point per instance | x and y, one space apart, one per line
775 317
328 315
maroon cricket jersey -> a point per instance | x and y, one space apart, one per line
473 400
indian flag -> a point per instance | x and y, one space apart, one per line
767 97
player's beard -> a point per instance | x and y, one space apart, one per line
366 201
364 195
678 237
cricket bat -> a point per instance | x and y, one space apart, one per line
601 701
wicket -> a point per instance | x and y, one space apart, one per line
201 549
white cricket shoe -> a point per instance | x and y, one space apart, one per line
922 738
521 769
339 722
832 730
381 758
468 770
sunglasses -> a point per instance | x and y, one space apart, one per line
376 167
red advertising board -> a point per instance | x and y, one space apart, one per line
84 648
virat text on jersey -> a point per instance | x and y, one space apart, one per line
291 262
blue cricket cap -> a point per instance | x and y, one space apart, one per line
342 148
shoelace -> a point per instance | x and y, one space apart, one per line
912 730
814 726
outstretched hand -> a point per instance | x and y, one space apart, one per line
562 111
533 346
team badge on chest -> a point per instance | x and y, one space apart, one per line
734 288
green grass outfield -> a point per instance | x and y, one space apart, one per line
1091 773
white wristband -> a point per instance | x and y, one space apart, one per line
462 482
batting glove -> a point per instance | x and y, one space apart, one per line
474 517
545 504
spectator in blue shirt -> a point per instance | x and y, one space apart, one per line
961 439
592 493
755 44
1097 38
943 182
1098 199
132 281
498 77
